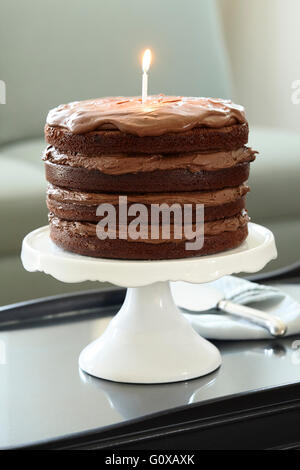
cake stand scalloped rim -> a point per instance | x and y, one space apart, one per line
40 254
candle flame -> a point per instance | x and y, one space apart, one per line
146 60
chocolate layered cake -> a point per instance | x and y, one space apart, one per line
170 151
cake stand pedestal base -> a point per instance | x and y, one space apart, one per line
149 341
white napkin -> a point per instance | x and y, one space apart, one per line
216 325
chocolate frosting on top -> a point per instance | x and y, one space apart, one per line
159 115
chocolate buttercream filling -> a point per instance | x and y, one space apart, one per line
159 115
124 164
208 198
87 229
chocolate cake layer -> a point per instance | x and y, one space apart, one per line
155 181
214 227
82 239
121 164
88 213
113 141
80 206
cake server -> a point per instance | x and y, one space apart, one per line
195 298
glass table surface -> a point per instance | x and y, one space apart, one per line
43 394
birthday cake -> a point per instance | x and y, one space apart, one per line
170 152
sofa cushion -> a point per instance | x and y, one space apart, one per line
22 193
287 235
275 175
18 285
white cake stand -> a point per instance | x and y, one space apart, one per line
149 340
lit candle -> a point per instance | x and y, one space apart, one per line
146 65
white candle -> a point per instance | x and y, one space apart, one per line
144 87
146 65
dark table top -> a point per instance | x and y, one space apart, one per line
44 395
